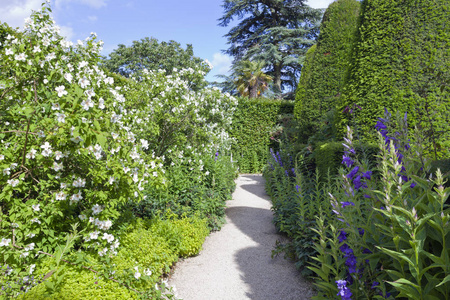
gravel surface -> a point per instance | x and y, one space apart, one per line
236 263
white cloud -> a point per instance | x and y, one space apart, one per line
67 32
319 3
90 3
221 63
92 18
15 12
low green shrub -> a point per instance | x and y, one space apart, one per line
154 245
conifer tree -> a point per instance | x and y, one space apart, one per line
276 32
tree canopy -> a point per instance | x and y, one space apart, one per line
149 54
277 32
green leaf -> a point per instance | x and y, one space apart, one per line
446 279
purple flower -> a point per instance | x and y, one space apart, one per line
347 161
353 172
342 236
367 175
361 231
293 172
358 184
346 203
344 291
297 187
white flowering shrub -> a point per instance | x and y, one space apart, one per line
66 156
76 144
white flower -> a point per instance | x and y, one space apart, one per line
5 242
36 207
35 220
66 44
103 252
68 77
36 49
93 235
45 81
60 117
2 157
83 64
31 154
46 146
207 173
57 167
50 56
144 144
61 196
56 106
29 247
20 57
114 135
25 254
86 104
79 182
9 52
83 82
126 170
76 139
82 217
137 275
7 171
61 90
31 235
96 209
32 268
58 155
147 272
108 237
76 197
13 182
111 180
155 174
90 93
101 103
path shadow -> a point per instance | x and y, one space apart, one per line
268 279
253 188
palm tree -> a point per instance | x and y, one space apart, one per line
250 79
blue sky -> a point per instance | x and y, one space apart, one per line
123 21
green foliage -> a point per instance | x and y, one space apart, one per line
252 128
155 244
79 149
328 156
326 66
300 93
401 62
294 25
381 230
149 54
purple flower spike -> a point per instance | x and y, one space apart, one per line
367 175
347 161
344 291
342 236
353 172
345 204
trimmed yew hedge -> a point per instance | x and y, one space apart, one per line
325 67
254 122
401 61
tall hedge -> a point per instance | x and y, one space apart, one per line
323 81
253 124
401 61
300 93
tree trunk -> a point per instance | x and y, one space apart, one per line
277 77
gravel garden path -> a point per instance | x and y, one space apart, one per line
236 263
